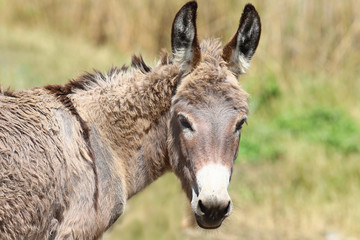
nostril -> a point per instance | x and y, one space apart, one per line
202 207
227 209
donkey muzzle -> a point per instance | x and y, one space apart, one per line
211 202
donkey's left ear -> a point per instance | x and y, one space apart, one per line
184 42
239 51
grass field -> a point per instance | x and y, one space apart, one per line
298 171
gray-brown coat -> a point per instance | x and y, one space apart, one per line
72 155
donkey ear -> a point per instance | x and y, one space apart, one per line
184 42
239 51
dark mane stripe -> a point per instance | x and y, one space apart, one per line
7 92
87 79
116 71
138 63
61 93
83 81
165 58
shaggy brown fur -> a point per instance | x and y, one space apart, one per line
61 94
46 150
72 155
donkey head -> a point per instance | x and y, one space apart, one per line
208 111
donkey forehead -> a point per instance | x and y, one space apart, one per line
211 90
211 79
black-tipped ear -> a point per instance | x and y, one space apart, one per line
184 42
239 51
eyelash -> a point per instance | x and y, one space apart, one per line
184 122
240 124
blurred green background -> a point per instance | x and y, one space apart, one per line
298 171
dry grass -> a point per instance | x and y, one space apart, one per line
319 38
300 34
298 176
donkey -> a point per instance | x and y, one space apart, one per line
72 155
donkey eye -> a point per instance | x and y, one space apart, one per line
184 122
240 124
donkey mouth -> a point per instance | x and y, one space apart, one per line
208 223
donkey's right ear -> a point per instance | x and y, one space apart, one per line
184 42
239 51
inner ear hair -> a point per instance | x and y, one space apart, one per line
240 49
184 41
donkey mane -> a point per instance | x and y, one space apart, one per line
7 92
212 48
88 80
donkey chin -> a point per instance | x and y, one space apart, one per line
210 201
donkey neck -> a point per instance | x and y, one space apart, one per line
126 114
152 159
